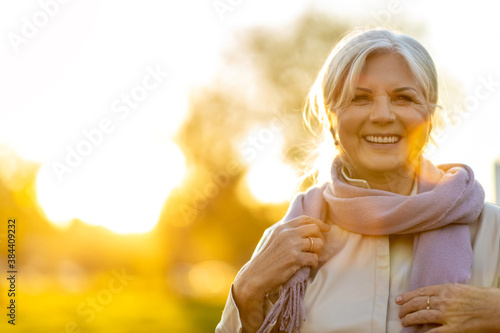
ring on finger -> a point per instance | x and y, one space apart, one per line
312 244
428 303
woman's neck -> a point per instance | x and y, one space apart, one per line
399 181
393 182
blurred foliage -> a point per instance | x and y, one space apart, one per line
266 73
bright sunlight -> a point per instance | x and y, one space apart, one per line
271 181
269 178
122 188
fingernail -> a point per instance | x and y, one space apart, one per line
399 299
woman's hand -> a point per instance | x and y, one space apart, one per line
286 251
457 307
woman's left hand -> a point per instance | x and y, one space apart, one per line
456 307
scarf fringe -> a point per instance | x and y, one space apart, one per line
289 309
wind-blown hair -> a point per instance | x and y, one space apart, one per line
334 87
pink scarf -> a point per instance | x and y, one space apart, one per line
448 200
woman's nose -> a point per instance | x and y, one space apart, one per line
381 111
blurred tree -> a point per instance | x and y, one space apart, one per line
265 74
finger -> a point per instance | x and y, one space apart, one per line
309 259
413 305
312 244
424 291
304 219
420 303
440 329
310 230
422 317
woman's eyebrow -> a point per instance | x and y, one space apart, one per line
395 90
404 88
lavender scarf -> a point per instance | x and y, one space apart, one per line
448 199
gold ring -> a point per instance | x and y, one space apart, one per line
312 244
428 302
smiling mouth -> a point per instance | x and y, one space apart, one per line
383 139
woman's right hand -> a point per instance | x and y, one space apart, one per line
283 254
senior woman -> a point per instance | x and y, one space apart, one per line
392 243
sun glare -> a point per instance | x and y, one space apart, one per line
271 180
122 188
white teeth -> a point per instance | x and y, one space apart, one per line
382 139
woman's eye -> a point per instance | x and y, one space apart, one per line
403 99
360 99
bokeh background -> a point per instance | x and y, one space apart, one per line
146 145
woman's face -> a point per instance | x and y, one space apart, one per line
386 124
